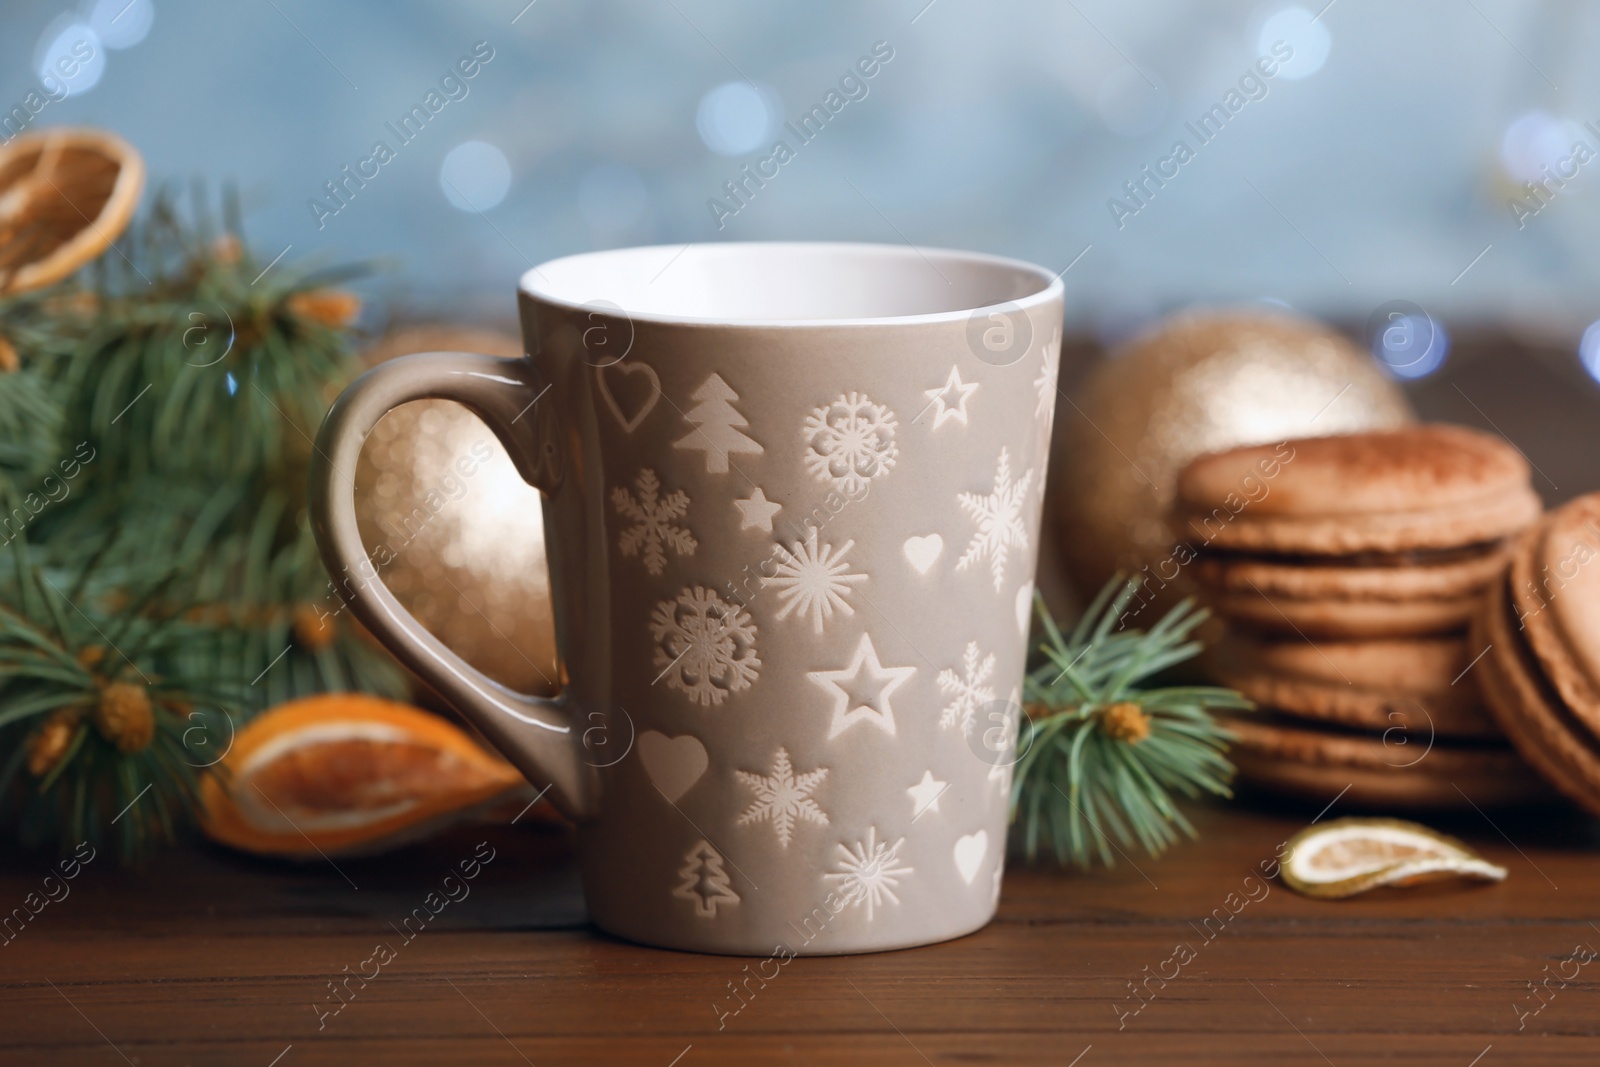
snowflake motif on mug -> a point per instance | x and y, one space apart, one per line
782 797
850 442
1047 381
705 646
869 871
814 579
653 528
967 689
999 518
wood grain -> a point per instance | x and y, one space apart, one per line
208 958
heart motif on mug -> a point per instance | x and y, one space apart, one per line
639 398
969 853
922 551
1024 607
674 764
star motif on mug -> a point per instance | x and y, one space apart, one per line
950 399
757 511
925 795
861 691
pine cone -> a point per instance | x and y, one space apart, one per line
1125 722
334 308
50 743
310 629
227 249
124 716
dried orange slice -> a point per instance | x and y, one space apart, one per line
65 195
344 773
1350 856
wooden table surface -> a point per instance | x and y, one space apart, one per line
210 958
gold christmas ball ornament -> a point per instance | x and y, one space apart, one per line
124 717
462 533
1201 381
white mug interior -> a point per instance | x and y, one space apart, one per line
775 283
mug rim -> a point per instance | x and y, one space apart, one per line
1051 289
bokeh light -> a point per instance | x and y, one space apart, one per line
1589 350
738 117
70 58
1412 345
1535 141
121 23
1301 31
475 176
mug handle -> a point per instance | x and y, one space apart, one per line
537 734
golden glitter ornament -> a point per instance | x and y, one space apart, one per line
124 716
437 492
1200 382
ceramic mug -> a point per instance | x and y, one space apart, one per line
791 499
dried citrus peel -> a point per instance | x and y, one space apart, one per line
343 774
1350 856
65 195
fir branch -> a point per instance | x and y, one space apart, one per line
1105 760
198 385
99 738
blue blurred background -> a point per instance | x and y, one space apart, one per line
1382 162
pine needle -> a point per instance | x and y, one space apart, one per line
1083 786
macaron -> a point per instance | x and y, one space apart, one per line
1377 772
1391 491
1539 627
1418 686
1338 619
1374 535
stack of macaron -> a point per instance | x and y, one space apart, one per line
1540 625
1348 570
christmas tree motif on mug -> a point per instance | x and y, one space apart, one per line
849 442
705 646
783 797
653 527
814 578
869 872
1000 521
704 881
717 423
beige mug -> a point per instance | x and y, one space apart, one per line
791 499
